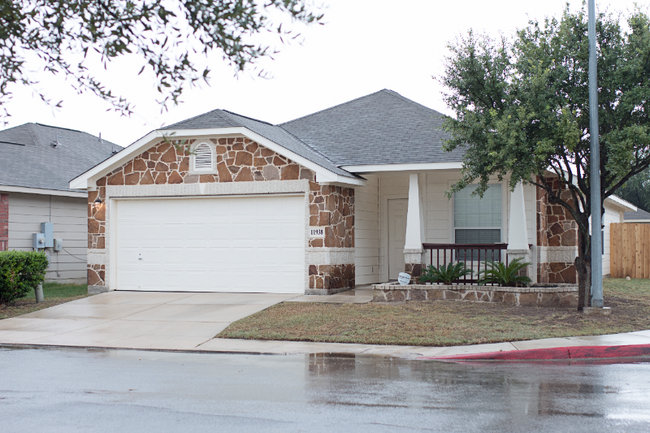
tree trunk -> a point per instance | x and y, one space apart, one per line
583 267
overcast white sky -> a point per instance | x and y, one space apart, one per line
365 46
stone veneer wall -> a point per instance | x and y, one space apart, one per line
561 296
4 222
332 207
557 239
237 160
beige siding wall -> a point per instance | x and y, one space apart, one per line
367 232
69 216
612 215
438 209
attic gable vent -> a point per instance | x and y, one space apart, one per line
203 157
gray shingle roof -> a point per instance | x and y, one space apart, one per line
638 215
227 119
28 158
381 128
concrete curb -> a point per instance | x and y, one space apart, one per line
554 353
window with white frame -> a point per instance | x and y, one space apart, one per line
203 157
478 220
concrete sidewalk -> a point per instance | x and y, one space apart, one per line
221 345
415 352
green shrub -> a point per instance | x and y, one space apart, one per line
445 274
499 273
20 272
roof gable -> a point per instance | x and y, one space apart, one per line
226 119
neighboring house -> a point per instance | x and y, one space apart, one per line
344 196
36 165
638 217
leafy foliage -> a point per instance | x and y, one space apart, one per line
166 36
445 274
637 190
20 272
522 110
499 273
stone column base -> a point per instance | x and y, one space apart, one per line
330 279
414 262
95 290
525 255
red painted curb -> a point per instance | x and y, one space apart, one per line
574 352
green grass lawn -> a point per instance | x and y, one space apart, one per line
54 294
444 323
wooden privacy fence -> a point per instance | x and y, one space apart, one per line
629 250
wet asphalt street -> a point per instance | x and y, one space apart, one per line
78 390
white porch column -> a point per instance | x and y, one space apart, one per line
518 231
413 251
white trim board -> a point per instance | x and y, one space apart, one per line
620 203
375 168
42 191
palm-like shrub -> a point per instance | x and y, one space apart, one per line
445 274
499 273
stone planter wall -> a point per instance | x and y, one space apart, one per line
558 296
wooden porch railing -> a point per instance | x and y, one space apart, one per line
473 255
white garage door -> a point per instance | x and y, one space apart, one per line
234 244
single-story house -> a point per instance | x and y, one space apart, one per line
36 165
338 198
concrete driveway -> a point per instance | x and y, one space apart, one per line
136 320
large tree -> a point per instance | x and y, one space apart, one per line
522 110
637 190
165 35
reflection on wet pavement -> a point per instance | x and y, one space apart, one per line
115 390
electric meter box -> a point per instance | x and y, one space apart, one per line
39 241
48 231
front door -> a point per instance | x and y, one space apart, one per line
396 236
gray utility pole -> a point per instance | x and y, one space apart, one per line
596 206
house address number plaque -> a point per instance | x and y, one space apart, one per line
317 232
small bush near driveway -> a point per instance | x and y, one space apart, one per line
20 272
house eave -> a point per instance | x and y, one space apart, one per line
43 191
426 166
620 203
